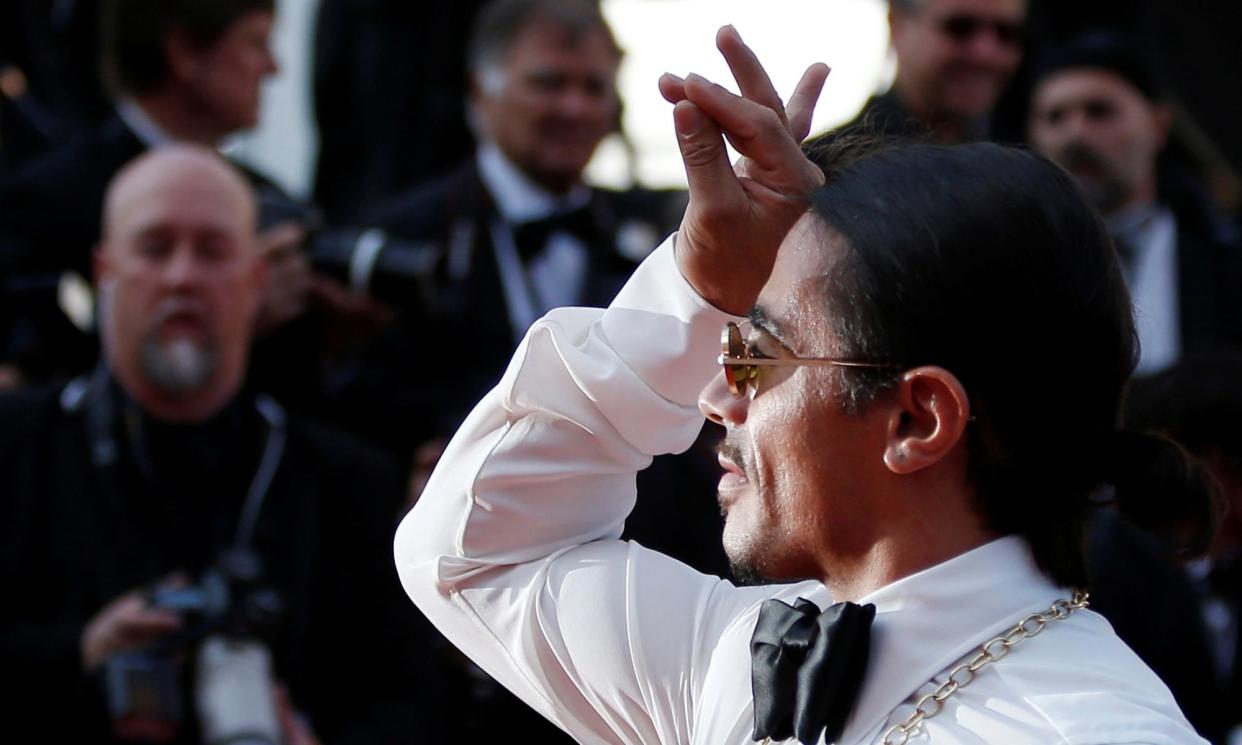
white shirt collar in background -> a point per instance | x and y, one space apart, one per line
151 134
517 197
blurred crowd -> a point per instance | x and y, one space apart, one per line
217 399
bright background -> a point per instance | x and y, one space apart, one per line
658 36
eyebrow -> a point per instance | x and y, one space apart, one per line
765 322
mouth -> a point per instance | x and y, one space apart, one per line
180 319
732 481
183 324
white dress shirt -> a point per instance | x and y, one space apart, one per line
1150 233
555 276
513 553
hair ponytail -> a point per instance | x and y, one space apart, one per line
1162 488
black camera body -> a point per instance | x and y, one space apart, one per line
226 615
230 598
369 261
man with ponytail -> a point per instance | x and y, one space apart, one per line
922 361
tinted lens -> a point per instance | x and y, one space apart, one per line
963 29
733 346
1009 33
960 28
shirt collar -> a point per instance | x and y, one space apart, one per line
929 620
142 125
517 197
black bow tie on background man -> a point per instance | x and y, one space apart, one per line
531 236
807 667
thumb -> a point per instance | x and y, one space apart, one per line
708 171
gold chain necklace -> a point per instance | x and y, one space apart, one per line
989 652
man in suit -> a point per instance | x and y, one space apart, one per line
515 230
1098 109
180 71
954 58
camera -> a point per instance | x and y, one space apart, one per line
227 615
365 259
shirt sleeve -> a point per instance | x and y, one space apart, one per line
513 550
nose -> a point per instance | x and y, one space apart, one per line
181 268
1073 128
988 47
719 404
573 101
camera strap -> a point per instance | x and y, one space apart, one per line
90 396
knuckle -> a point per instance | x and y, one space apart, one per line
696 152
769 120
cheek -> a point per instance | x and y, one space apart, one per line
521 114
781 439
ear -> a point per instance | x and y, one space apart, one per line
896 25
928 419
260 274
1162 118
477 97
100 265
181 56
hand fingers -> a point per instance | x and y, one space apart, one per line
296 730
148 624
672 87
755 130
802 103
134 622
281 240
752 79
703 153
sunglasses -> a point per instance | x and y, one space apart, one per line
964 28
741 365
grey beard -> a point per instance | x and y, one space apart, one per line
179 366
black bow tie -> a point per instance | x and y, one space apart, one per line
807 667
531 236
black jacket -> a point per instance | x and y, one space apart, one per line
455 336
78 533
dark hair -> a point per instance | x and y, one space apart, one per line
135 32
501 22
1197 403
988 261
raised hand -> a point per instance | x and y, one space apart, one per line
738 214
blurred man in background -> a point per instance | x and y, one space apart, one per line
1099 109
160 465
180 71
515 231
954 58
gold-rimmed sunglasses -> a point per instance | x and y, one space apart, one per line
741 366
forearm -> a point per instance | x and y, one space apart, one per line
547 460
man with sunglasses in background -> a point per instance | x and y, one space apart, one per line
954 58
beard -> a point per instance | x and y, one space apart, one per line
746 574
1105 189
742 555
178 366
